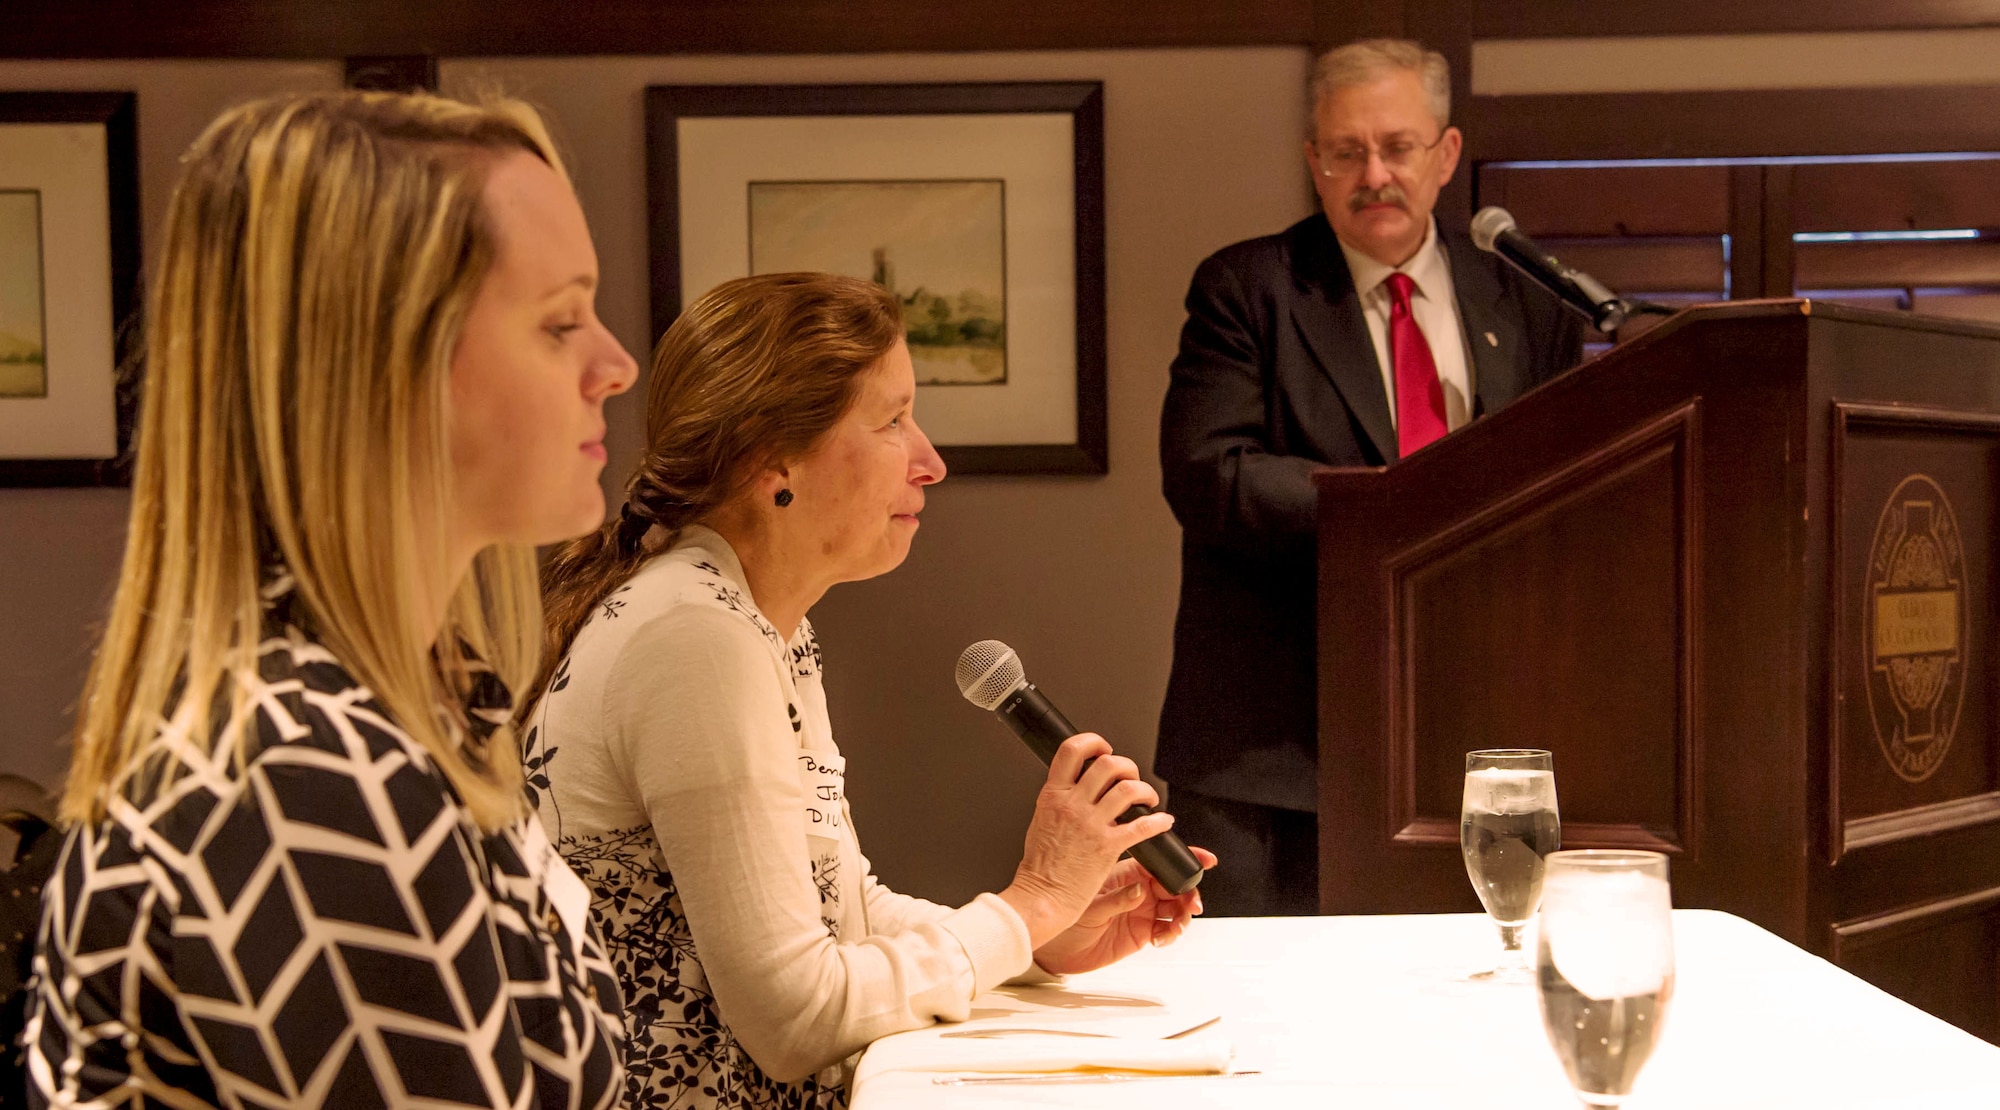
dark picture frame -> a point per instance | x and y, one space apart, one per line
117 114
667 106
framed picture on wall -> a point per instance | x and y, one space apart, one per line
981 206
69 269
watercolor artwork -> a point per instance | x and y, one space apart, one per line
24 368
939 246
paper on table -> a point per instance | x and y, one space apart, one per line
1131 1035
1055 1006
1204 1054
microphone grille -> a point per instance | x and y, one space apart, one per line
1488 224
988 671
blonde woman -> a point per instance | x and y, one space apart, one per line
684 758
300 871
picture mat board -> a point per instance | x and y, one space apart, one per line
77 418
941 239
1033 152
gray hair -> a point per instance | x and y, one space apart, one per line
1359 63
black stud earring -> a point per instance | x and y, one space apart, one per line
784 498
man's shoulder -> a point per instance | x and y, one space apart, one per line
1274 253
1495 278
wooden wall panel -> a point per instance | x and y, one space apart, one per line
1748 252
1895 265
1896 196
1579 202
1784 122
1634 266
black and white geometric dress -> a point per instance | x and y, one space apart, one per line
325 926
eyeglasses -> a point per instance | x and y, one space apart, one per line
1397 155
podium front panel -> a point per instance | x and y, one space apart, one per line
1742 577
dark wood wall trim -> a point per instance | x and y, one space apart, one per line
392 73
1775 230
1746 232
1335 21
1446 26
1499 19
307 29
316 29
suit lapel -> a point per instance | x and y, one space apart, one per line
1493 335
1328 316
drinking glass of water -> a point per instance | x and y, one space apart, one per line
1506 827
1604 966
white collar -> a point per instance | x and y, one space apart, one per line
701 545
1426 267
710 547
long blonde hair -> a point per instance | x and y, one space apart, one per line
754 372
320 256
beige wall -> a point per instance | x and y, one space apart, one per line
59 548
1078 573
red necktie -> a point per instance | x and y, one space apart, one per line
1419 395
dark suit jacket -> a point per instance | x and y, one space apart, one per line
1277 377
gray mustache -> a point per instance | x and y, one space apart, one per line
1387 194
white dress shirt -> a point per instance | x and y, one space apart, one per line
1435 306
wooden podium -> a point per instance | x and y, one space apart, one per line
1741 576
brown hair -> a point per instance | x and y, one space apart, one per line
319 257
751 375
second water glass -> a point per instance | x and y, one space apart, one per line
1507 825
1605 967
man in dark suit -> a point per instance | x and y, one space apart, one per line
1352 338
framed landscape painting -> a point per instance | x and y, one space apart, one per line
69 263
980 206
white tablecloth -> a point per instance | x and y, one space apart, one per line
1366 1012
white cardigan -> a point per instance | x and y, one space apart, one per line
684 762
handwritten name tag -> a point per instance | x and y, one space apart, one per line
566 893
823 782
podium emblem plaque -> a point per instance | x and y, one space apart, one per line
1916 612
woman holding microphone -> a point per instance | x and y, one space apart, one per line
683 751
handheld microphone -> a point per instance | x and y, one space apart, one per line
1493 231
990 676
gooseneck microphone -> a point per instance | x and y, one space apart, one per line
1493 231
990 676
